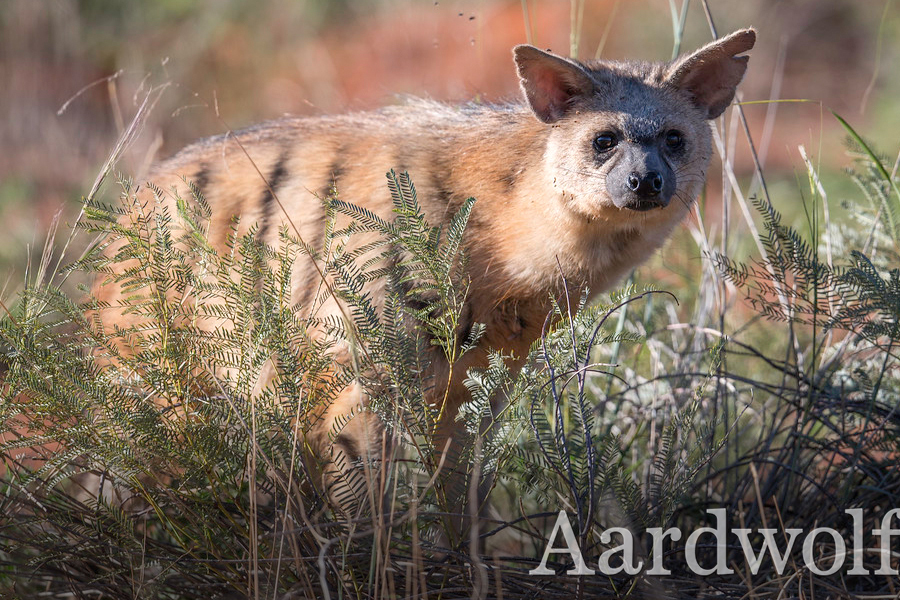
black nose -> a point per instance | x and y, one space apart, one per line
651 184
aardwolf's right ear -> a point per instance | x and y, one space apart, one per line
550 83
712 73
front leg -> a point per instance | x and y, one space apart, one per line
351 446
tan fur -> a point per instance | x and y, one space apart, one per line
542 205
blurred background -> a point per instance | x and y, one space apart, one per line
73 74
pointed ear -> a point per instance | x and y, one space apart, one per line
712 73
550 83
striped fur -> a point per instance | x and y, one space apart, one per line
545 203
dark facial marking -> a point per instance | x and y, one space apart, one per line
641 179
642 130
603 147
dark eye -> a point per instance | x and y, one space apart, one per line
674 139
605 141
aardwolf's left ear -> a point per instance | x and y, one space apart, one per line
712 73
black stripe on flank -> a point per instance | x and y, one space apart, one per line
335 174
349 446
510 179
200 180
466 322
267 211
308 293
330 189
443 193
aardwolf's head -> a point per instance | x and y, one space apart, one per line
628 138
